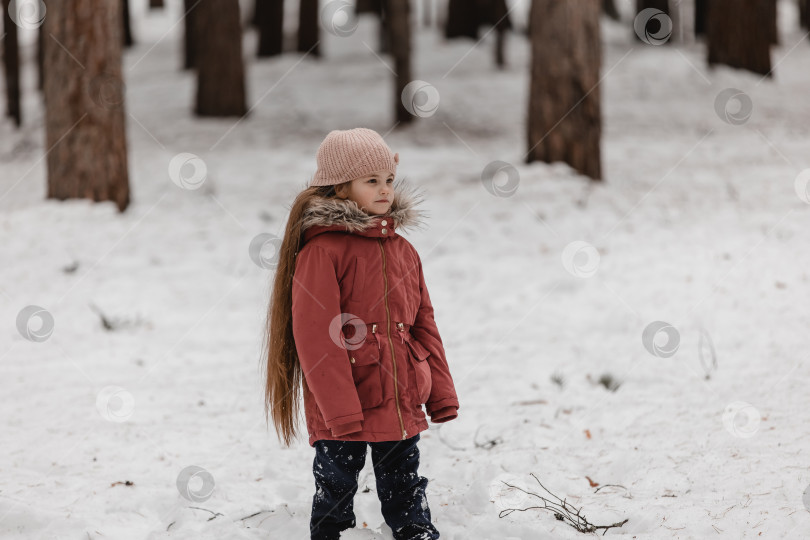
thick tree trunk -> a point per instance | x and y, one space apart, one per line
190 39
308 28
271 28
609 9
128 41
84 102
220 70
399 18
741 41
654 26
804 13
701 9
11 61
564 122
773 22
462 19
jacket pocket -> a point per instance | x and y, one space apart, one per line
424 381
359 279
367 374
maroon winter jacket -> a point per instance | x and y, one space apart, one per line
363 326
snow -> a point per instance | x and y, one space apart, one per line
697 224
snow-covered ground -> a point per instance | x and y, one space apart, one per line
698 224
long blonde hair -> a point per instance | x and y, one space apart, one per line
283 374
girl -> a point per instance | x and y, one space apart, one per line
350 320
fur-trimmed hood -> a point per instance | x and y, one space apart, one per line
331 213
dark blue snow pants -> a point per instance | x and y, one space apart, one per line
400 489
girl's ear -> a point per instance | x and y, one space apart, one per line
396 158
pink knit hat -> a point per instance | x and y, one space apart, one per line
348 154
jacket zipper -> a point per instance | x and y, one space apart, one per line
391 343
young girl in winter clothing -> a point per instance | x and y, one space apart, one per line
350 320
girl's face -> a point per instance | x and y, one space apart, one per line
373 192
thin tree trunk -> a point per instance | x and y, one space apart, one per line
271 28
84 102
773 22
156 4
701 9
308 28
741 41
564 122
191 8
41 58
462 20
384 28
609 9
499 18
804 13
220 70
11 61
400 24
128 41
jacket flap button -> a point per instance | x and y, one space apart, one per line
384 231
384 223
352 359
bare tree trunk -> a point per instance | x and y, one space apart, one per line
564 122
41 58
308 27
741 41
400 24
609 9
156 4
804 13
271 28
384 38
462 19
128 41
701 9
499 18
190 39
84 102
773 22
11 60
220 70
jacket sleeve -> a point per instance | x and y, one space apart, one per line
326 367
442 405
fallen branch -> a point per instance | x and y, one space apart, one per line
562 511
